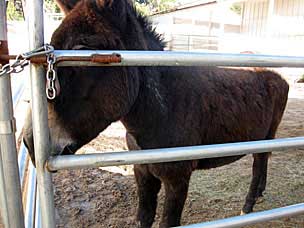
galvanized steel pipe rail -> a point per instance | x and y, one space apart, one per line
39 115
252 218
3 201
164 58
171 154
31 198
9 167
173 58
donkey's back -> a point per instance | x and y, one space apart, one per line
209 105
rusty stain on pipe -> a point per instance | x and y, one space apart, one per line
3 51
96 58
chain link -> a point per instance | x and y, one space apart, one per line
22 60
15 67
51 91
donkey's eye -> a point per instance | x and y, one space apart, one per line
82 47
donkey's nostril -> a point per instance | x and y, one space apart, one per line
66 151
69 149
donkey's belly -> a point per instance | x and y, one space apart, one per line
210 163
207 163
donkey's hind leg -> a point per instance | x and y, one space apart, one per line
258 181
148 187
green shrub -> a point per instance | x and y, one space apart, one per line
12 13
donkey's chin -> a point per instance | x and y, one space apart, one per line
69 148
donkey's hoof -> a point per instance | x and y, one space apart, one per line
138 224
243 213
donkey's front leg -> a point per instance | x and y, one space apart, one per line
258 181
147 189
263 179
176 193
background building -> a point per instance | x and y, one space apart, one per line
263 26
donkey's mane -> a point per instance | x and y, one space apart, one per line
148 27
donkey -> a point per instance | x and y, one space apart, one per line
159 106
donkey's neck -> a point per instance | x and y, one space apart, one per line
141 35
150 109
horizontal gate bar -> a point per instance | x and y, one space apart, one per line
253 218
174 58
171 154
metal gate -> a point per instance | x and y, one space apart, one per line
10 191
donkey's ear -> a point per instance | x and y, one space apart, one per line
119 5
66 5
103 4
114 10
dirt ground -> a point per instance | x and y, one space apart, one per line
99 198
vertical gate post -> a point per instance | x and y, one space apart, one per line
15 217
3 202
40 117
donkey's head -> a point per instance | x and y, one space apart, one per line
91 98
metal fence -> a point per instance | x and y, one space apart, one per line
27 173
182 42
10 188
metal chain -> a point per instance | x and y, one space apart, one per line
16 67
22 60
51 91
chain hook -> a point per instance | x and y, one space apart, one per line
22 60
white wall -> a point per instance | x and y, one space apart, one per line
279 32
192 26
282 34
